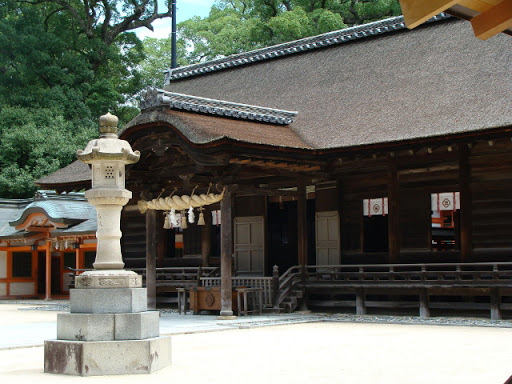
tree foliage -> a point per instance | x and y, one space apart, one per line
235 26
63 63
158 58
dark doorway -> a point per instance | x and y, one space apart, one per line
41 273
376 234
56 275
282 235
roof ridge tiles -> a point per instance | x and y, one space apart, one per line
154 98
292 47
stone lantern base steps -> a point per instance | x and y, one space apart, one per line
108 332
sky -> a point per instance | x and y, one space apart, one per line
185 9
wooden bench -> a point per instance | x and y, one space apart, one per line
243 300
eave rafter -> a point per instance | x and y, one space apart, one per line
271 164
492 16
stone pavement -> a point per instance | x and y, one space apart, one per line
299 348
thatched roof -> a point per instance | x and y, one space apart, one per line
403 85
200 128
366 86
75 176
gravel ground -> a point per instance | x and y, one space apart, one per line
301 348
313 317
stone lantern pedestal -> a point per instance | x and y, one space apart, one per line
109 330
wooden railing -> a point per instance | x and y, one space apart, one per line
412 275
288 282
358 278
169 277
265 283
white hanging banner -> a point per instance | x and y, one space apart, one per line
216 218
446 201
177 221
375 207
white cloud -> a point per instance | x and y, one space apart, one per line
162 29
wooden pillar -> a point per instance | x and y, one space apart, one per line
360 306
466 202
78 261
48 272
161 239
35 266
302 231
226 250
151 256
206 234
495 304
424 309
393 216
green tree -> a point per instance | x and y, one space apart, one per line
235 26
63 63
158 58
35 142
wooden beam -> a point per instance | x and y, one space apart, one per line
417 12
493 21
296 167
478 5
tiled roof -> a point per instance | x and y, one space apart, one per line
71 209
58 210
88 226
8 214
153 98
293 47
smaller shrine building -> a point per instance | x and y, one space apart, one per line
40 239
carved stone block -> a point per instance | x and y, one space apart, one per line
108 279
113 300
93 358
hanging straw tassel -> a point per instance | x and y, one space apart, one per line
201 218
183 220
173 220
167 223
191 215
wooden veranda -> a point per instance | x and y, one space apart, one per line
473 287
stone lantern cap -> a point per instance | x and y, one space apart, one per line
108 146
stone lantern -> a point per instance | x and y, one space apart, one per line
108 156
109 329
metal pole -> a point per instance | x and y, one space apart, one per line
174 54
